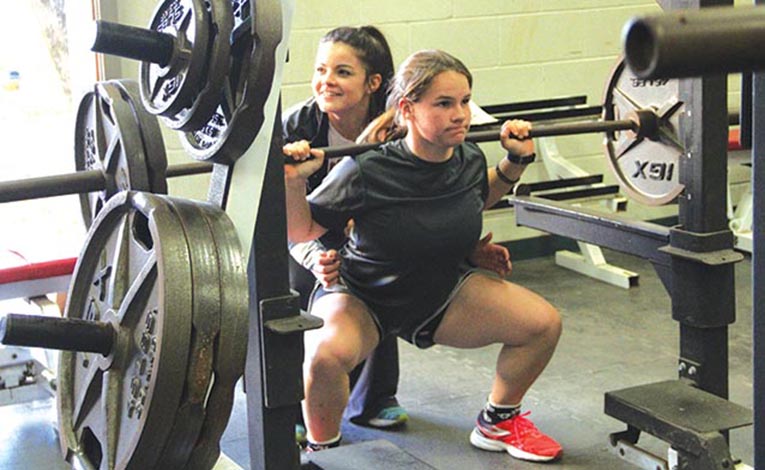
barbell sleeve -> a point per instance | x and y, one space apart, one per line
68 334
48 186
79 182
132 42
687 43
187 169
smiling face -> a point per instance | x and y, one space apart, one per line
340 83
439 120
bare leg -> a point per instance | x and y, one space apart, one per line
331 352
488 311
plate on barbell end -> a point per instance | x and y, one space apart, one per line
116 411
167 90
107 139
645 167
240 113
231 348
207 98
151 136
205 333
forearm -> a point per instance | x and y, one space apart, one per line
300 224
499 187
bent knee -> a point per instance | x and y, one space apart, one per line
330 359
554 322
547 324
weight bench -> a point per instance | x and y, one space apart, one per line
20 278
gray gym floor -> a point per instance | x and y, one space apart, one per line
613 338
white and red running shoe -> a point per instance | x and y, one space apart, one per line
517 436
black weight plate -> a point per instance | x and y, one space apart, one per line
167 90
219 57
239 115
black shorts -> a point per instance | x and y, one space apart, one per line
419 333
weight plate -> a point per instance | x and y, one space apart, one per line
167 90
206 319
151 136
219 56
107 139
116 411
646 166
239 114
231 347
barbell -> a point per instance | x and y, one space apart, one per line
640 121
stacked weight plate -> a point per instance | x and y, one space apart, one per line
167 274
206 68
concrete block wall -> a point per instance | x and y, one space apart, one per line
517 50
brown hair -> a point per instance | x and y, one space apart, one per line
413 79
373 51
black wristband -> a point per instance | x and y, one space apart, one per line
504 177
518 160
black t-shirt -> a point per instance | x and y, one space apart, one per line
415 223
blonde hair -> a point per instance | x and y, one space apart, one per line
413 79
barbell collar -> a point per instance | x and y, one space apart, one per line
68 334
688 43
132 42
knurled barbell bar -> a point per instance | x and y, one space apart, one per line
543 130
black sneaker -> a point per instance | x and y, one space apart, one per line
313 447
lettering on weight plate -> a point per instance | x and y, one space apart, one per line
644 82
657 171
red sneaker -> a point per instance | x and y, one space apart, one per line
518 436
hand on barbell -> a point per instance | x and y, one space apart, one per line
515 137
306 160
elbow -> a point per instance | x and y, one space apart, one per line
300 234
296 236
